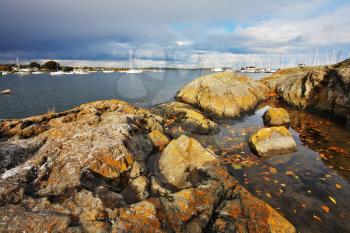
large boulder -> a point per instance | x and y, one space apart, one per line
223 94
188 158
90 169
272 141
276 117
320 89
182 118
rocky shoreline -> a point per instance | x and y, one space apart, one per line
323 90
108 166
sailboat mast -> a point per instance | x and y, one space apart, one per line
130 59
18 65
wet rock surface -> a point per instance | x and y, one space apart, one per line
223 94
272 141
276 117
85 171
321 89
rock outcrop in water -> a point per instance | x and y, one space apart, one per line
276 117
96 169
223 94
272 141
320 89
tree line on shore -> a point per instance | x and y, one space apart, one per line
48 66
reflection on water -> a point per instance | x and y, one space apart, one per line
311 186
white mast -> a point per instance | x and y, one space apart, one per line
18 65
316 58
339 56
130 59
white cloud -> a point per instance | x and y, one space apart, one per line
288 33
99 30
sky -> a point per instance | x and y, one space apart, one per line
175 33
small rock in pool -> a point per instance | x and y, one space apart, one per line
272 141
276 117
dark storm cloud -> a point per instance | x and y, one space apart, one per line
86 29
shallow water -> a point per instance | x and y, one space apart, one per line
303 185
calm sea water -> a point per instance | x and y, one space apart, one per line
36 94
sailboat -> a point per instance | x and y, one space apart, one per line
60 72
132 70
21 71
80 71
36 71
108 71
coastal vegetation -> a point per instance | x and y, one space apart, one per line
6 68
34 64
51 65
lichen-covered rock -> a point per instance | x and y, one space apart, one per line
182 161
272 141
158 139
16 219
223 94
86 172
181 118
106 146
246 205
276 117
214 202
92 147
320 89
